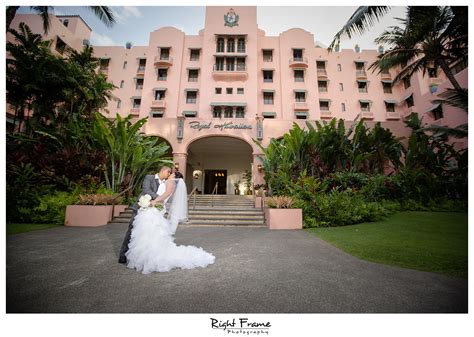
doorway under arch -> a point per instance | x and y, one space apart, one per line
218 159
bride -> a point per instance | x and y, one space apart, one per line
152 246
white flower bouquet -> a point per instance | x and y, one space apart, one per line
145 202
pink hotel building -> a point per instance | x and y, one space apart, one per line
209 95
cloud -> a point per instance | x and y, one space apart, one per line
101 40
125 12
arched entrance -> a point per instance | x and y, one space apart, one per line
218 159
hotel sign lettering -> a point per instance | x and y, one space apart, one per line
227 125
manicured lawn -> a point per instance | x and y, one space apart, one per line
428 241
15 228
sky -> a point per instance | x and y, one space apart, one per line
134 23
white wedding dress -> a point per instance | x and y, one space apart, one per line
152 246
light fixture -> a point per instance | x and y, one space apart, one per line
259 168
197 174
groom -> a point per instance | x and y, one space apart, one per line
153 185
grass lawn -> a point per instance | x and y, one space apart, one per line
16 228
428 241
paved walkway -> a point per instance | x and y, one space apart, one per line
256 271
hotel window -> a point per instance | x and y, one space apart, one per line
410 101
300 96
343 107
240 91
220 45
360 66
122 83
159 95
119 104
324 105
60 45
298 54
228 112
321 67
124 64
268 76
217 112
299 75
302 115
218 91
219 64
438 112
268 98
406 82
156 114
164 53
459 67
240 112
66 22
193 75
267 56
387 87
136 103
162 74
322 86
341 87
365 106
228 91
230 63
141 64
241 45
139 84
362 85
240 64
191 97
432 72
194 55
339 67
390 107
230 45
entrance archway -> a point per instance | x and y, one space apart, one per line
218 159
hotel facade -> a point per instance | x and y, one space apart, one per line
211 96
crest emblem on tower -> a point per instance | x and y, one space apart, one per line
231 19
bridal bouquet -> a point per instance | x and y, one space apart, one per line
145 202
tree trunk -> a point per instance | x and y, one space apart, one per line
449 74
11 12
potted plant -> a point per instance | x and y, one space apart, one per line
260 189
237 187
247 176
93 210
280 213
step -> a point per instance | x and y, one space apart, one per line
228 217
240 224
224 212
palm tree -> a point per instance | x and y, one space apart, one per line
103 13
423 43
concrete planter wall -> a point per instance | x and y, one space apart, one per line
89 215
284 218
258 201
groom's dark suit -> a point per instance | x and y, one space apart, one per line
150 186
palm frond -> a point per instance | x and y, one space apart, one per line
104 13
360 21
454 97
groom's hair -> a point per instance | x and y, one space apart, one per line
165 168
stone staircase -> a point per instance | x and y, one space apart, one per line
227 210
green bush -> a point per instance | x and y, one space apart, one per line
52 207
342 208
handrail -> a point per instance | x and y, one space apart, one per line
113 201
262 206
193 192
214 191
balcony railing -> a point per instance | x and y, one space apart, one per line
158 104
221 71
393 115
163 60
385 76
366 113
301 106
299 62
141 70
326 113
322 72
135 110
360 73
323 89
